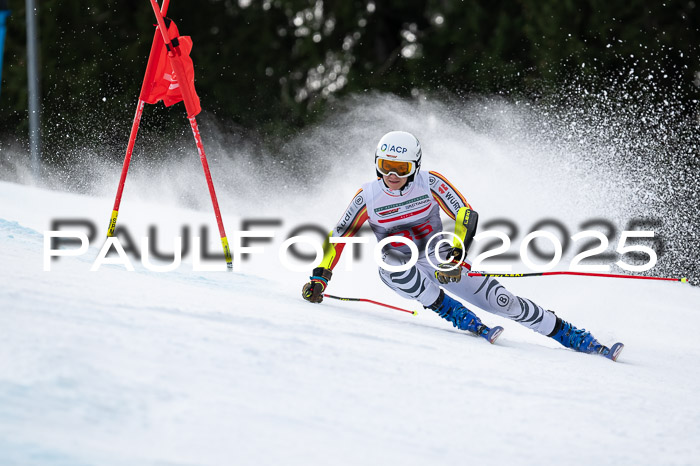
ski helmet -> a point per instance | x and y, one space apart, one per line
398 152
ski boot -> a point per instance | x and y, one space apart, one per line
462 318
582 340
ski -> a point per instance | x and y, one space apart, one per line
613 352
491 334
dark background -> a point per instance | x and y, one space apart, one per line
613 84
269 68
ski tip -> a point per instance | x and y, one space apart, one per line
493 334
415 313
615 351
684 280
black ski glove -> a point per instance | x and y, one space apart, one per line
313 290
445 276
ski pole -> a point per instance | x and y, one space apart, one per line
370 301
585 274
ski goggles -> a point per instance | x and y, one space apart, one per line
400 168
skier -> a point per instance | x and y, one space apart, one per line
403 201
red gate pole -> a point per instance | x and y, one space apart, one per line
174 56
132 140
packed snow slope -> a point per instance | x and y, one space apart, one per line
189 367
186 367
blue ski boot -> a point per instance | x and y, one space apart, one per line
462 318
582 341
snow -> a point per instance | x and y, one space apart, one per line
187 367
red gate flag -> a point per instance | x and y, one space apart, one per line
170 77
160 81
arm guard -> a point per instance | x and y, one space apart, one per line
465 228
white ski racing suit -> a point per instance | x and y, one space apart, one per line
414 213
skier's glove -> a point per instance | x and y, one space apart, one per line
445 276
313 290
